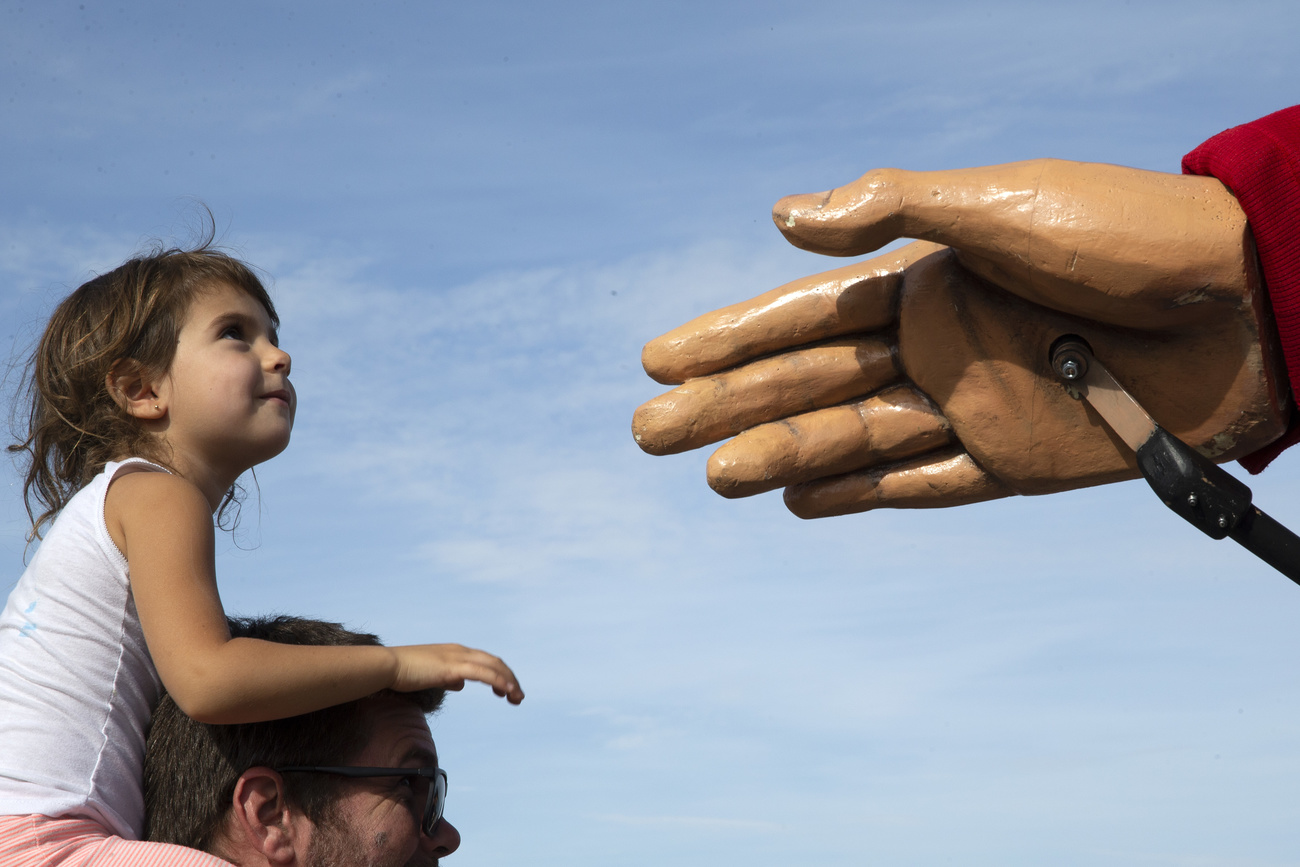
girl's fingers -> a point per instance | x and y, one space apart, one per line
449 666
950 478
498 675
895 424
501 680
861 298
708 409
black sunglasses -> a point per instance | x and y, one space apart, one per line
432 780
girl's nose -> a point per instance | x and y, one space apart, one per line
278 359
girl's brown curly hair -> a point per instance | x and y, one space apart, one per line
130 316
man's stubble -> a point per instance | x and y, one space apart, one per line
334 845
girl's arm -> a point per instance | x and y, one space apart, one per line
163 525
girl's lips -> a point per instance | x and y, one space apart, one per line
281 396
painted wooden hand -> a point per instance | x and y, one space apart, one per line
919 378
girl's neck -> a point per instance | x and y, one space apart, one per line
212 483
212 486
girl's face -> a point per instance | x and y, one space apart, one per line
227 403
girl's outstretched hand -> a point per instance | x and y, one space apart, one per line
448 666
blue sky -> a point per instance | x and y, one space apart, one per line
473 216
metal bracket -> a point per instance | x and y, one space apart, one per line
1186 481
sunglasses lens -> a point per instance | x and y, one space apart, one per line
437 799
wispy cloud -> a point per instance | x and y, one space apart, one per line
695 823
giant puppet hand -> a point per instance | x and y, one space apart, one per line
920 378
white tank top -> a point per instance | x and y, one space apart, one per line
77 686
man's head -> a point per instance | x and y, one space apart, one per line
217 788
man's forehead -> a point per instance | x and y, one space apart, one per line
399 735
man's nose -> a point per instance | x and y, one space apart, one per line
444 840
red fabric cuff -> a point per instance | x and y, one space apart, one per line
1260 163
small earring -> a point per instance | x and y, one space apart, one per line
155 408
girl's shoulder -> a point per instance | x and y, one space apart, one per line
131 476
137 477
145 495
140 484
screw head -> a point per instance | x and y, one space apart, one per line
1223 522
1070 369
1191 500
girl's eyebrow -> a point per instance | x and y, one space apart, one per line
238 317
232 317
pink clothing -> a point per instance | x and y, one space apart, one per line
39 841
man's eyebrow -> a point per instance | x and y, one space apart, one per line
424 755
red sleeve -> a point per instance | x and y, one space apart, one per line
1260 163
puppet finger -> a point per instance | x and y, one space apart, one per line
895 424
708 409
1118 245
851 220
858 299
934 481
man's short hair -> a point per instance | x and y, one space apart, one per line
190 768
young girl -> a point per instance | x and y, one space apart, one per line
154 387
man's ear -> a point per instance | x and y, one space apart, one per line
133 389
261 823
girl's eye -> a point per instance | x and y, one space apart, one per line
234 332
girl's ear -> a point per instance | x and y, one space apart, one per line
132 388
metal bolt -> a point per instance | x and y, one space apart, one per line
1069 358
1191 500
1223 522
